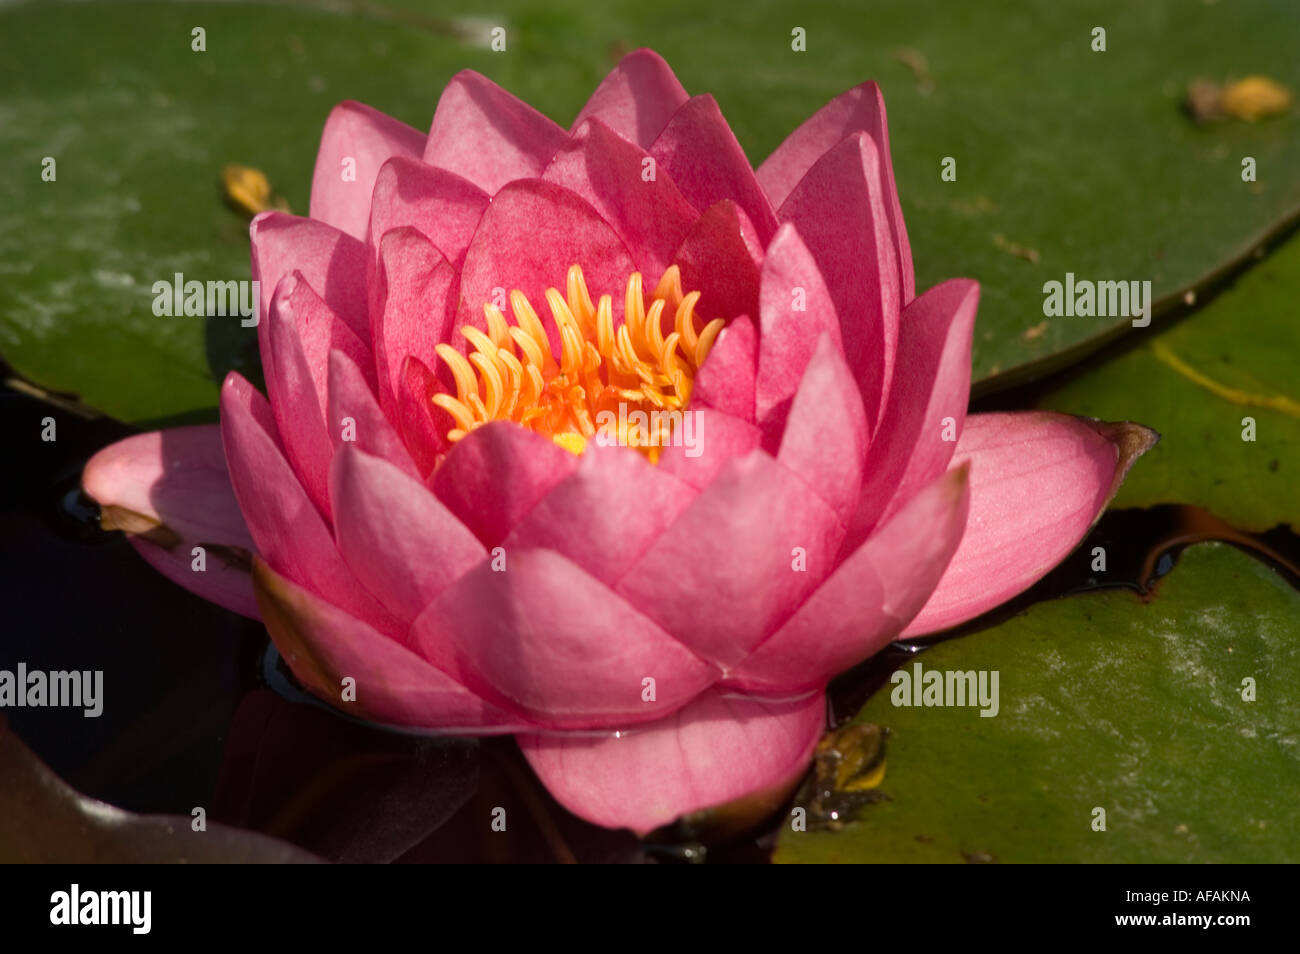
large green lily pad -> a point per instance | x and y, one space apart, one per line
1196 382
1105 702
1081 161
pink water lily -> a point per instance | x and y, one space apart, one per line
425 504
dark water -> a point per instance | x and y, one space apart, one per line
199 712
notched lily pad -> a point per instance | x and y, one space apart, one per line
1171 722
1221 388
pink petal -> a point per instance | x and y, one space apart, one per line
825 438
1039 481
495 474
176 477
299 412
441 205
861 109
605 515
341 189
225 579
424 424
320 332
528 238
795 310
332 262
841 214
714 440
397 537
636 99
544 637
323 645
718 749
869 598
650 216
177 480
726 380
487 136
355 418
289 533
908 450
413 307
699 152
721 258
725 573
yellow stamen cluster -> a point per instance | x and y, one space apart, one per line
512 375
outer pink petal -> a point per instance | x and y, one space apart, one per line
795 311
726 380
495 474
289 533
909 450
825 438
176 477
718 749
605 515
398 538
530 235
842 216
413 307
861 109
720 258
741 558
700 153
355 418
488 136
869 598
441 205
332 262
323 645
170 491
1039 481
297 404
341 189
649 215
545 638
637 98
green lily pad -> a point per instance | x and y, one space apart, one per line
1196 383
1081 161
1104 702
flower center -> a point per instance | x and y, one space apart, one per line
598 381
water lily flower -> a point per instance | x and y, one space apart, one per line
457 493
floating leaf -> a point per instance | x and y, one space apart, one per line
1105 702
1197 382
